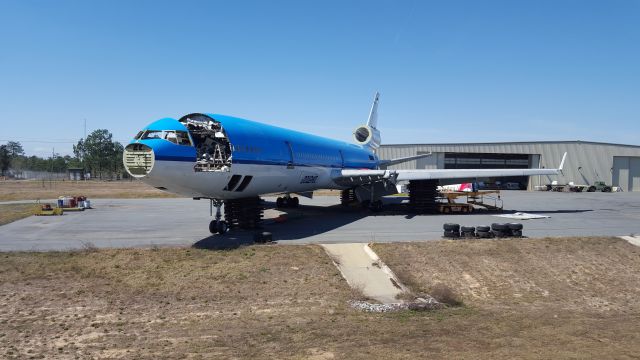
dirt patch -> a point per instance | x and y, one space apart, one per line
34 189
290 302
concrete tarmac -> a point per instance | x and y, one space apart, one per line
184 222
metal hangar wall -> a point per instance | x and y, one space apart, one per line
587 162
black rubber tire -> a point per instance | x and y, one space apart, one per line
213 227
516 233
222 227
451 234
465 229
294 202
606 189
591 189
266 236
280 202
499 227
262 237
451 227
484 234
501 233
514 226
483 228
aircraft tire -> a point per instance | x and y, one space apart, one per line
294 202
213 227
222 227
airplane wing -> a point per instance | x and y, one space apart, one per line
357 177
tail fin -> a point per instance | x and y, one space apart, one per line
373 114
368 135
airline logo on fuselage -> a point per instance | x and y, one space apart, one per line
309 179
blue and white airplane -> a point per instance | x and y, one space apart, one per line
234 161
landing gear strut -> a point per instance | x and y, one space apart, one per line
217 226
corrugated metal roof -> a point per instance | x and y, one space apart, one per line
515 143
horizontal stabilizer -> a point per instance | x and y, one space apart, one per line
385 163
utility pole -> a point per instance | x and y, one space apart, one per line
53 154
84 139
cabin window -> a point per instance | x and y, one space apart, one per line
176 137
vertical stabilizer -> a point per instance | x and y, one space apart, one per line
368 135
373 115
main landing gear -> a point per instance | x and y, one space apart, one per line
243 213
348 197
287 202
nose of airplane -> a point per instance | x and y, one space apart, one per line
138 159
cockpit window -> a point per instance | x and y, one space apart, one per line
176 137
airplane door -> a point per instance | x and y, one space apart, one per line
290 162
341 159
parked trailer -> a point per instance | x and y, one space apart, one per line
471 198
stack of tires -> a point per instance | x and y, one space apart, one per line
516 229
507 230
451 230
467 231
500 230
484 232
455 231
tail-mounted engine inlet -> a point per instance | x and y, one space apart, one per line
366 135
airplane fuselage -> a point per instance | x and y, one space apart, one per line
222 157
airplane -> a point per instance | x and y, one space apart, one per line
233 161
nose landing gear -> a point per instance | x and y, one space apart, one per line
218 226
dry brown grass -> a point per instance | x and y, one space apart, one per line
290 302
13 212
550 298
34 189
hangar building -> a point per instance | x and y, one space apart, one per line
587 162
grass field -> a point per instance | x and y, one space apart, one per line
13 212
11 190
34 189
550 298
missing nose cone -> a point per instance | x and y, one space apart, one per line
138 160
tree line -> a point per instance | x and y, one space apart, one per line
98 154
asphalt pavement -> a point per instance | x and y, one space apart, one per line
184 222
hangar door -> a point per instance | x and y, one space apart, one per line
626 172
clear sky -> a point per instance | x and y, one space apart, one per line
448 71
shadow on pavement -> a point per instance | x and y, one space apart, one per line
308 220
231 240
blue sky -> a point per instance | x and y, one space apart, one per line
448 71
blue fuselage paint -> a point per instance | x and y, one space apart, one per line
260 144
